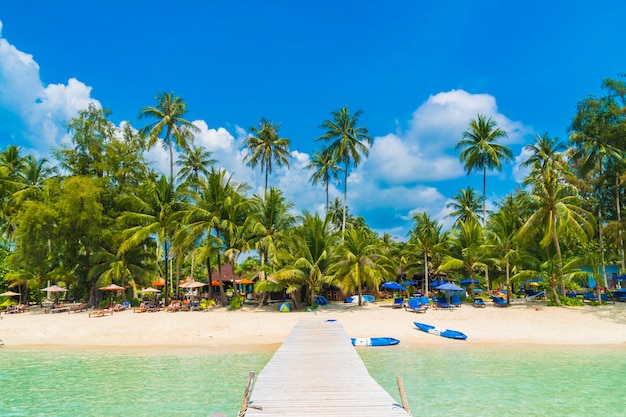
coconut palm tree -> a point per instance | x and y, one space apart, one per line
556 203
466 251
151 214
167 118
361 260
266 148
326 169
426 238
195 164
481 152
307 256
502 242
349 142
466 205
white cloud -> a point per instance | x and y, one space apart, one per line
41 111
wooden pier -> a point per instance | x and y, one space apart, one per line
317 372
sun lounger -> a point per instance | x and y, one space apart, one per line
174 306
77 308
119 307
500 302
101 313
455 301
56 309
398 302
478 302
442 303
415 305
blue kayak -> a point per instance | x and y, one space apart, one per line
374 341
450 334
355 299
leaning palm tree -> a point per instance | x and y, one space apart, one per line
481 152
168 117
266 148
465 205
326 169
349 143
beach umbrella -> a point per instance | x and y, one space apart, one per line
447 287
192 284
112 288
284 307
437 282
9 294
149 289
392 285
54 289
468 281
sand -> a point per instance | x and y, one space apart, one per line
255 330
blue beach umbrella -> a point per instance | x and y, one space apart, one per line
437 282
448 286
468 281
392 285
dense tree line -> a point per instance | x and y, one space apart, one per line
100 214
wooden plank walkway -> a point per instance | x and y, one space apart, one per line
317 372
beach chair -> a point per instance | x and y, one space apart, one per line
415 305
455 301
500 302
425 301
443 304
77 308
398 303
478 302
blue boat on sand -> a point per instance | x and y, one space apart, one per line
374 341
450 334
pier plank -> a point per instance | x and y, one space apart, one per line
317 372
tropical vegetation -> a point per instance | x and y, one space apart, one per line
99 213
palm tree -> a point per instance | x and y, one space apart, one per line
466 205
266 148
480 151
307 257
196 162
426 238
361 260
556 203
502 241
466 250
150 215
168 117
326 169
350 142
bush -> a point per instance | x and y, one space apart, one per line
206 304
236 302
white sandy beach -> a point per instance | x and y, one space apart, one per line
252 329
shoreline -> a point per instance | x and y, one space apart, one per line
262 330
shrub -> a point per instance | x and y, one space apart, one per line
236 302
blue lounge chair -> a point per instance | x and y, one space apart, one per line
455 301
398 303
442 303
425 301
478 302
500 302
415 305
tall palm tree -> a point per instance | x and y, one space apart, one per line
349 143
326 169
426 238
167 117
556 203
502 242
466 205
481 152
266 148
195 163
361 260
149 215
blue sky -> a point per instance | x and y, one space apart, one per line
419 71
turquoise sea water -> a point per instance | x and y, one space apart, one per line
438 381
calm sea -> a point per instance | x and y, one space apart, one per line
439 381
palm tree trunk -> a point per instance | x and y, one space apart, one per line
345 202
557 247
619 222
425 272
508 281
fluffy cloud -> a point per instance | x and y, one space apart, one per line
39 112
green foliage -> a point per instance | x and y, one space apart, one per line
207 304
236 302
